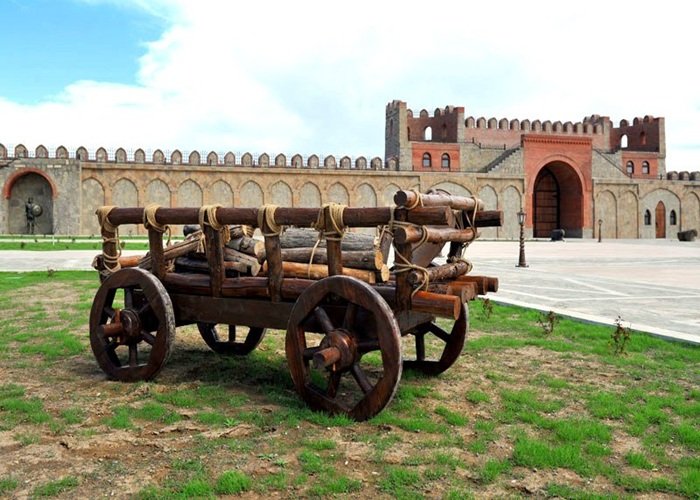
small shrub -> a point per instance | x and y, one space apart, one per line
548 322
232 482
619 338
486 309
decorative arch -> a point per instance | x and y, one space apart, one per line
488 195
212 158
101 155
194 158
338 193
3 152
361 163
628 215
280 160
247 160
139 156
452 188
376 163
264 160
251 195
428 133
125 194
557 199
221 193
281 194
17 175
511 204
229 159
690 213
158 192
82 154
190 194
120 155
20 187
606 211
445 161
345 162
158 157
366 196
41 152
176 157
309 196
21 151
623 141
312 162
427 160
297 161
93 190
61 153
329 162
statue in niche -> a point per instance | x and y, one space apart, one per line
31 211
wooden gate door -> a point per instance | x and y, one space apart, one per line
660 220
546 204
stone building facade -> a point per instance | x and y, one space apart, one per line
568 176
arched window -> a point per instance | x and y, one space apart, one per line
645 167
427 160
672 217
445 160
643 138
647 218
623 141
428 134
630 167
444 131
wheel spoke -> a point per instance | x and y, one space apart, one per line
361 378
310 351
439 332
350 315
368 345
133 355
322 317
128 297
232 333
144 309
333 383
420 346
148 337
110 312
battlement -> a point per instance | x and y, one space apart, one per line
584 127
195 158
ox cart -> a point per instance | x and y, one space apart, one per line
344 325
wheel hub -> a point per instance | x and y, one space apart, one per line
343 346
131 324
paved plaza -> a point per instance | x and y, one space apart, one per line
653 285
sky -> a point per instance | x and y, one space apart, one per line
314 77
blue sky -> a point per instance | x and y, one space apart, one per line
47 44
314 77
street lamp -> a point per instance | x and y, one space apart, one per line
600 231
521 221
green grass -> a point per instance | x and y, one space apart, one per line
55 488
493 419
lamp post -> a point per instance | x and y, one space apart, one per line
600 230
521 221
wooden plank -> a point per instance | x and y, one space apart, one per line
230 311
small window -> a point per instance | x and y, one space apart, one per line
645 167
647 218
623 141
428 134
445 160
672 217
630 167
427 160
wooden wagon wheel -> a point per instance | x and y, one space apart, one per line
229 346
131 341
333 327
453 344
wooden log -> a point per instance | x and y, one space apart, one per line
410 198
307 238
155 250
300 217
358 259
403 257
438 273
251 263
483 218
215 258
445 306
248 246
318 271
171 252
484 284
188 264
413 234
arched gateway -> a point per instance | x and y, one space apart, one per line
557 201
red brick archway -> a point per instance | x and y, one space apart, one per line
557 201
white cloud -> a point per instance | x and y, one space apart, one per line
314 77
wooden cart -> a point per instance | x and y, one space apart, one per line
344 335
